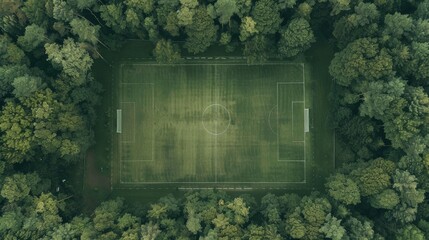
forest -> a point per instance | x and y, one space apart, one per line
48 101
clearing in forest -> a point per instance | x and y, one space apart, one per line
214 123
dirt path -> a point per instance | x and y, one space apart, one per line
97 185
93 176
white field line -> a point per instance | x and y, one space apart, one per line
220 64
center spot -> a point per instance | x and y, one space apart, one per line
216 119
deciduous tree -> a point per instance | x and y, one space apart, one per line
34 36
296 38
166 52
225 9
25 85
267 17
85 30
247 28
361 59
73 60
332 228
343 189
201 33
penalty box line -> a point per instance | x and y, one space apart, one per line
122 161
278 135
305 145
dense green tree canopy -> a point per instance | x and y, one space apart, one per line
361 60
296 38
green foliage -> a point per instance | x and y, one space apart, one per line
225 38
185 16
62 10
201 33
378 96
113 17
410 232
387 199
151 27
41 122
410 196
406 117
15 188
225 9
361 60
284 4
243 7
343 189
145 6
10 53
85 30
107 214
423 9
357 229
332 228
339 5
72 59
373 178
8 73
166 52
247 28
306 220
172 26
256 49
34 36
419 62
35 11
267 17
85 4
296 38
397 25
25 85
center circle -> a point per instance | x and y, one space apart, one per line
216 119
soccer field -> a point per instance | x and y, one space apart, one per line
210 123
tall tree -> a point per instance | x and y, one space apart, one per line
166 52
247 28
361 59
343 189
73 60
201 33
267 17
410 196
113 16
296 38
34 36
25 85
85 30
332 228
225 9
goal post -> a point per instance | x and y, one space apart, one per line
119 121
306 120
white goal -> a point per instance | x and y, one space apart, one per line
306 120
119 120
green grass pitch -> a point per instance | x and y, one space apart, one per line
211 123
